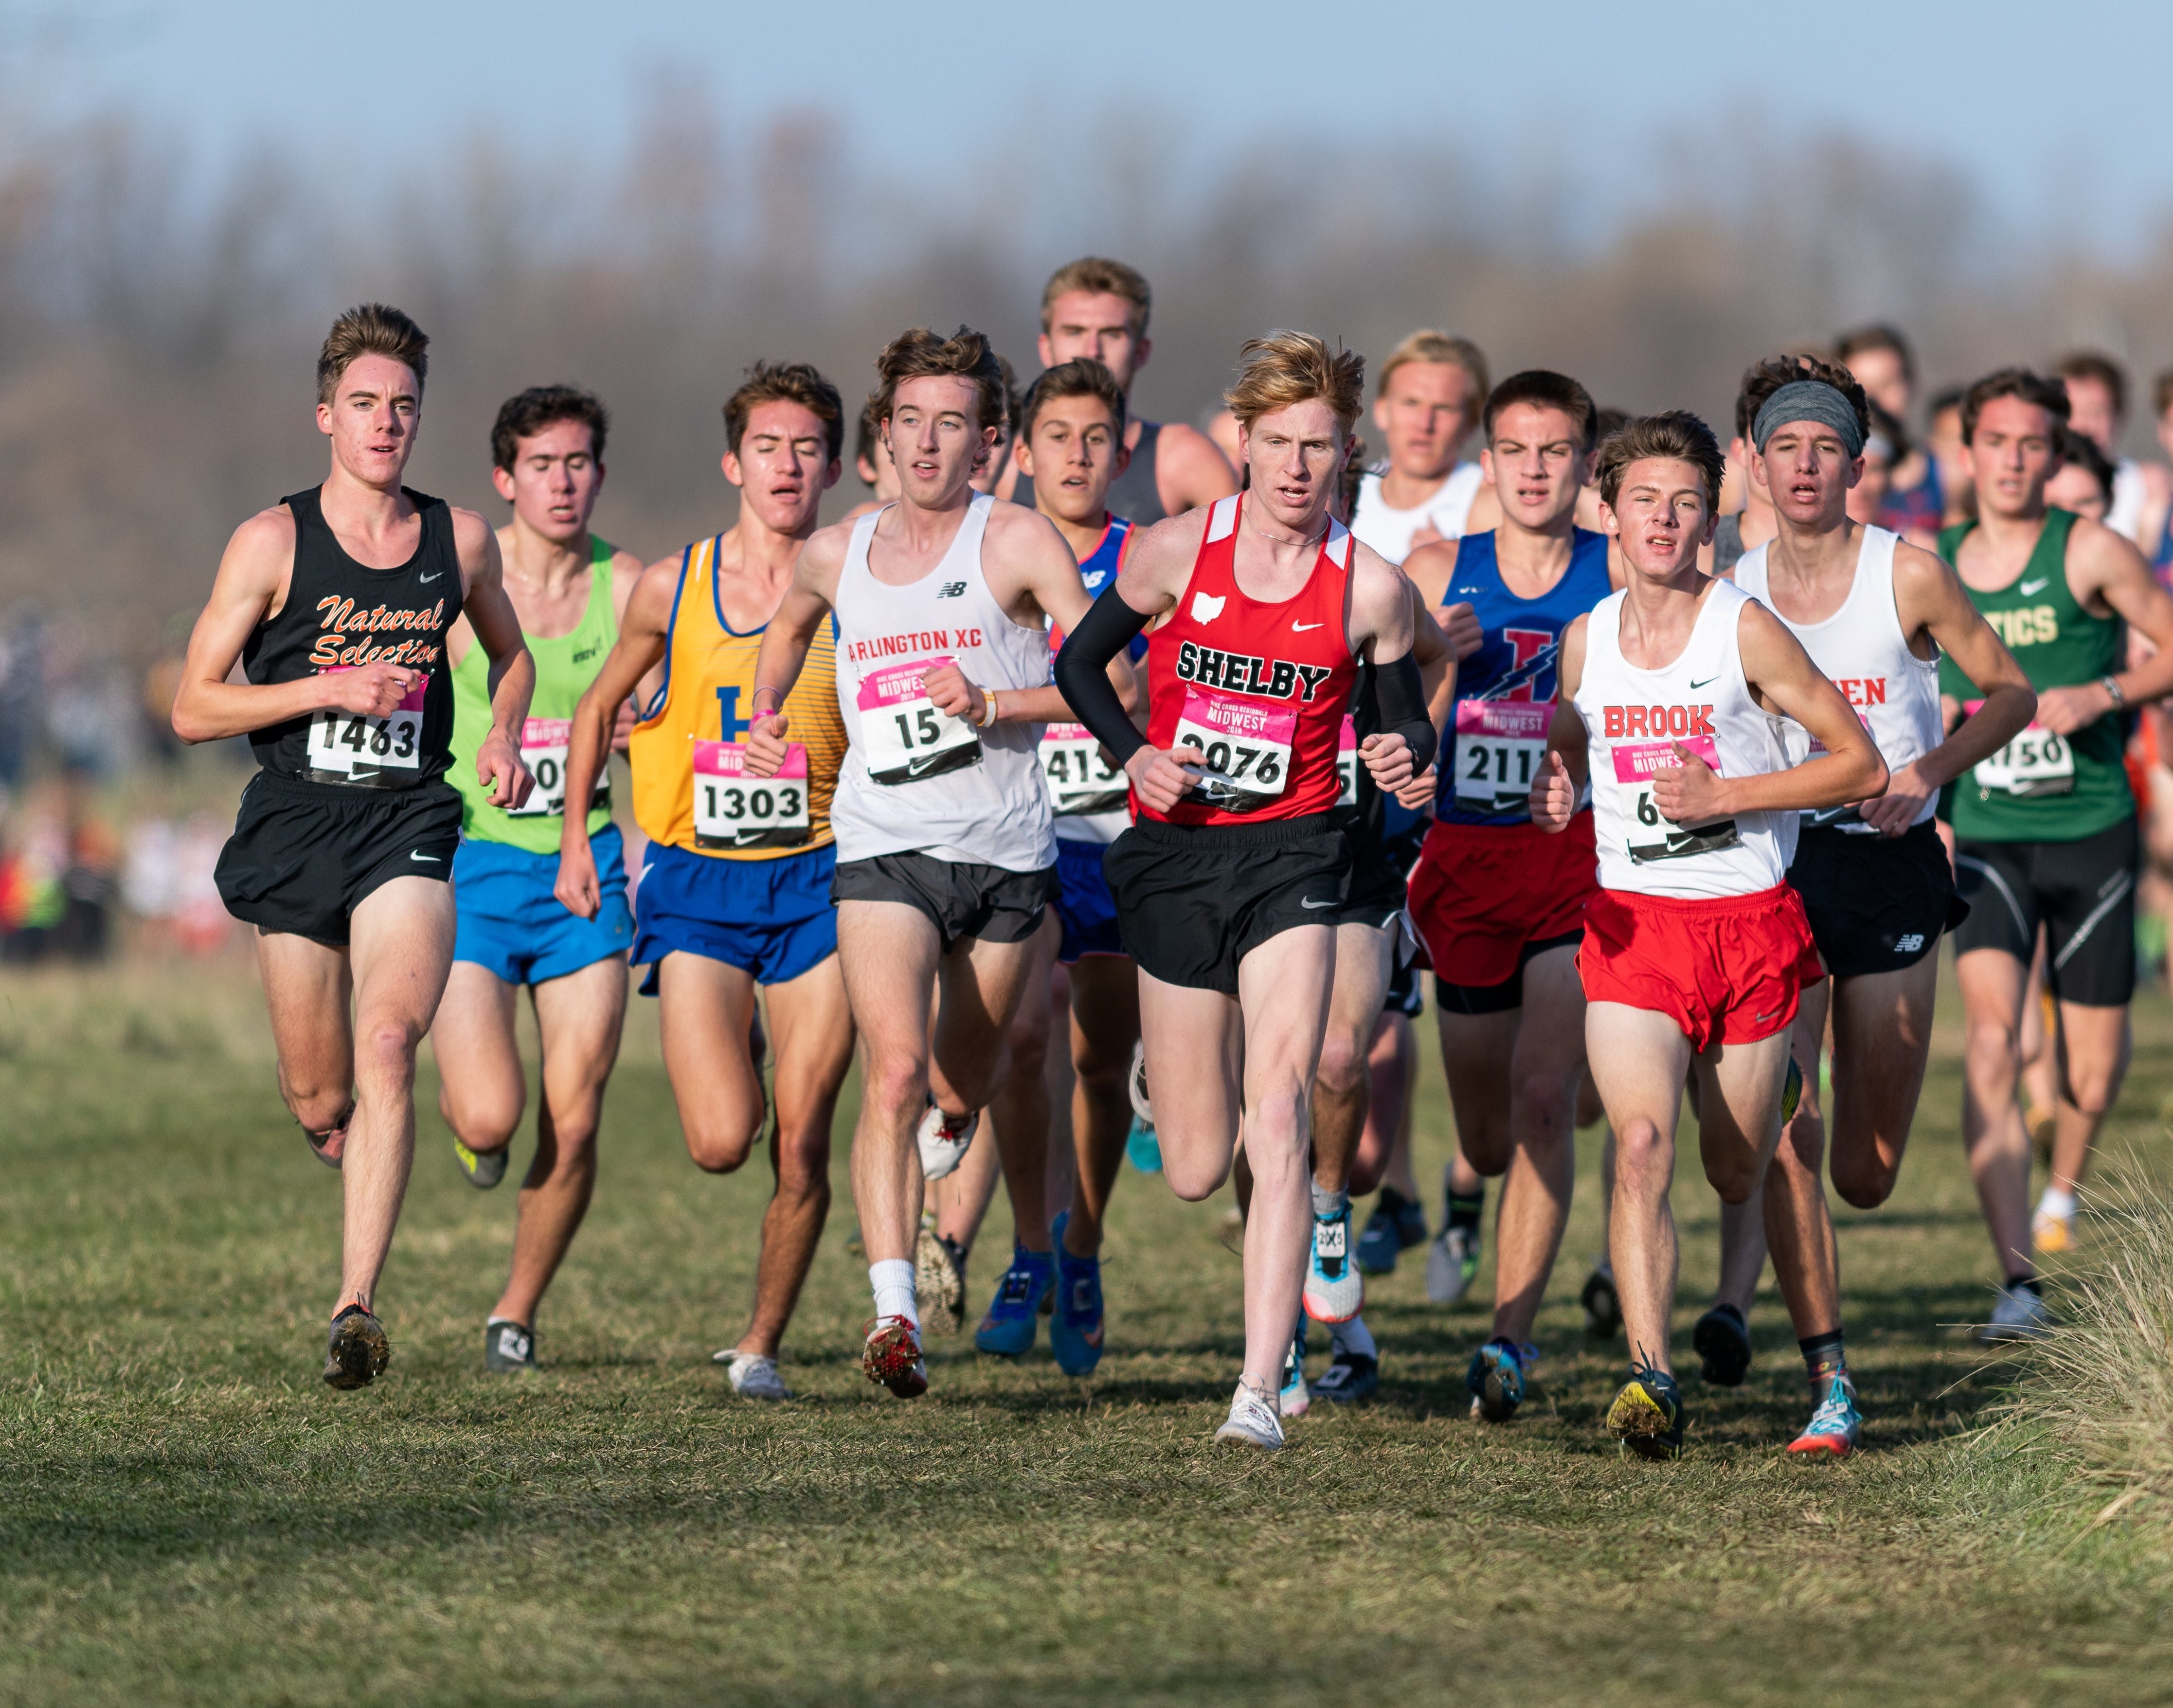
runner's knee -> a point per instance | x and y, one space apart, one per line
897 1086
1192 1180
1864 1183
1344 1058
1643 1154
1548 1105
385 1050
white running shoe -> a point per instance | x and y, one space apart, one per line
1253 1422
1135 1083
1452 1261
1334 1290
753 1377
2021 1314
943 1141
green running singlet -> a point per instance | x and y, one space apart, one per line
2043 787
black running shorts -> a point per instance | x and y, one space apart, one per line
960 899
1378 868
1193 901
1876 903
1500 998
2083 893
303 855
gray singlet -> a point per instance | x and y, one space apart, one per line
1134 494
1727 543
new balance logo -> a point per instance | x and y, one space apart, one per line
1206 607
1909 944
951 589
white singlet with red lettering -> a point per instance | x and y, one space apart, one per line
915 780
1865 653
1635 719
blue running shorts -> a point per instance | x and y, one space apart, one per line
1084 906
511 924
772 920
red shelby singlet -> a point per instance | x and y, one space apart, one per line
1261 689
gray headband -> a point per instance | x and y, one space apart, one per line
1809 400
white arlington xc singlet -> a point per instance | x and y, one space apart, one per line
915 780
1388 530
1633 719
1862 650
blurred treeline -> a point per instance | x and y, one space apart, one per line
157 332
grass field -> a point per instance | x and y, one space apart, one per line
187 1514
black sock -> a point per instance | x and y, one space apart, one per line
2029 1284
1823 1356
1391 1200
1724 1306
1464 1212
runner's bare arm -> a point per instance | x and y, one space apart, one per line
251 586
1782 679
626 574
2106 573
643 629
808 603
1560 781
1190 469
1431 569
1930 599
499 765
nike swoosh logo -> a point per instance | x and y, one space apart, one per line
914 767
1706 683
431 577
2028 588
433 859
1300 628
1311 903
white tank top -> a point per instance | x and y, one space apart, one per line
1388 530
915 780
1633 719
1864 652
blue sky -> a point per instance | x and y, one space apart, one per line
2055 114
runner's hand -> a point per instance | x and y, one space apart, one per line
371 690
1160 778
1554 796
622 725
951 692
1460 623
577 889
765 745
2065 710
1389 757
1426 534
1418 794
1690 793
500 769
1895 811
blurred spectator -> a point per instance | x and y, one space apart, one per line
58 879
1943 444
170 881
1886 450
2085 482
1886 368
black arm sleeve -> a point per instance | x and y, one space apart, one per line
1399 702
1082 666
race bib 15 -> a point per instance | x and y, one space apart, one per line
903 737
735 810
1645 834
543 745
1247 746
351 747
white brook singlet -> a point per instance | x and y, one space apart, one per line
916 780
1388 530
1633 719
1862 650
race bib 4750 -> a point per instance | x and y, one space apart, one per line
1645 834
354 747
903 737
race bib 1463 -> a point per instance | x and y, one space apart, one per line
903 737
354 747
1647 835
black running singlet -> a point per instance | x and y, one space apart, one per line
340 614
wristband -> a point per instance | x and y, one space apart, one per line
2111 686
759 691
990 695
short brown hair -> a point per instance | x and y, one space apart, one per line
1084 377
1288 368
1430 346
2048 394
1878 336
2095 364
371 329
1674 436
1545 389
786 382
870 433
529 412
919 355
1762 379
1099 276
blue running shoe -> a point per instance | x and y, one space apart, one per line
1836 1428
1397 1224
1008 1329
1075 1332
1142 1149
1294 1400
1496 1378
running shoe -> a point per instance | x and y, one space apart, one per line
1451 1263
944 1139
508 1348
1352 1376
939 1279
2052 1234
892 1357
1135 1083
1647 1417
1397 1224
1722 1340
1836 1426
1293 1400
2021 1314
1602 1305
1791 1091
1334 1290
1074 1330
357 1352
1495 1379
1007 1330
2041 1126
329 1148
752 1377
1142 1149
1253 1422
481 1169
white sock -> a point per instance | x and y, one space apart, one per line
893 1281
1326 1203
1353 1336
2057 1202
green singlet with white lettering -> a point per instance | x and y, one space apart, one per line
565 665
2043 787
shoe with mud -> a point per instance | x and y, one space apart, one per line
358 1351
938 1280
508 1348
1647 1417
891 1358
481 1169
1722 1340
